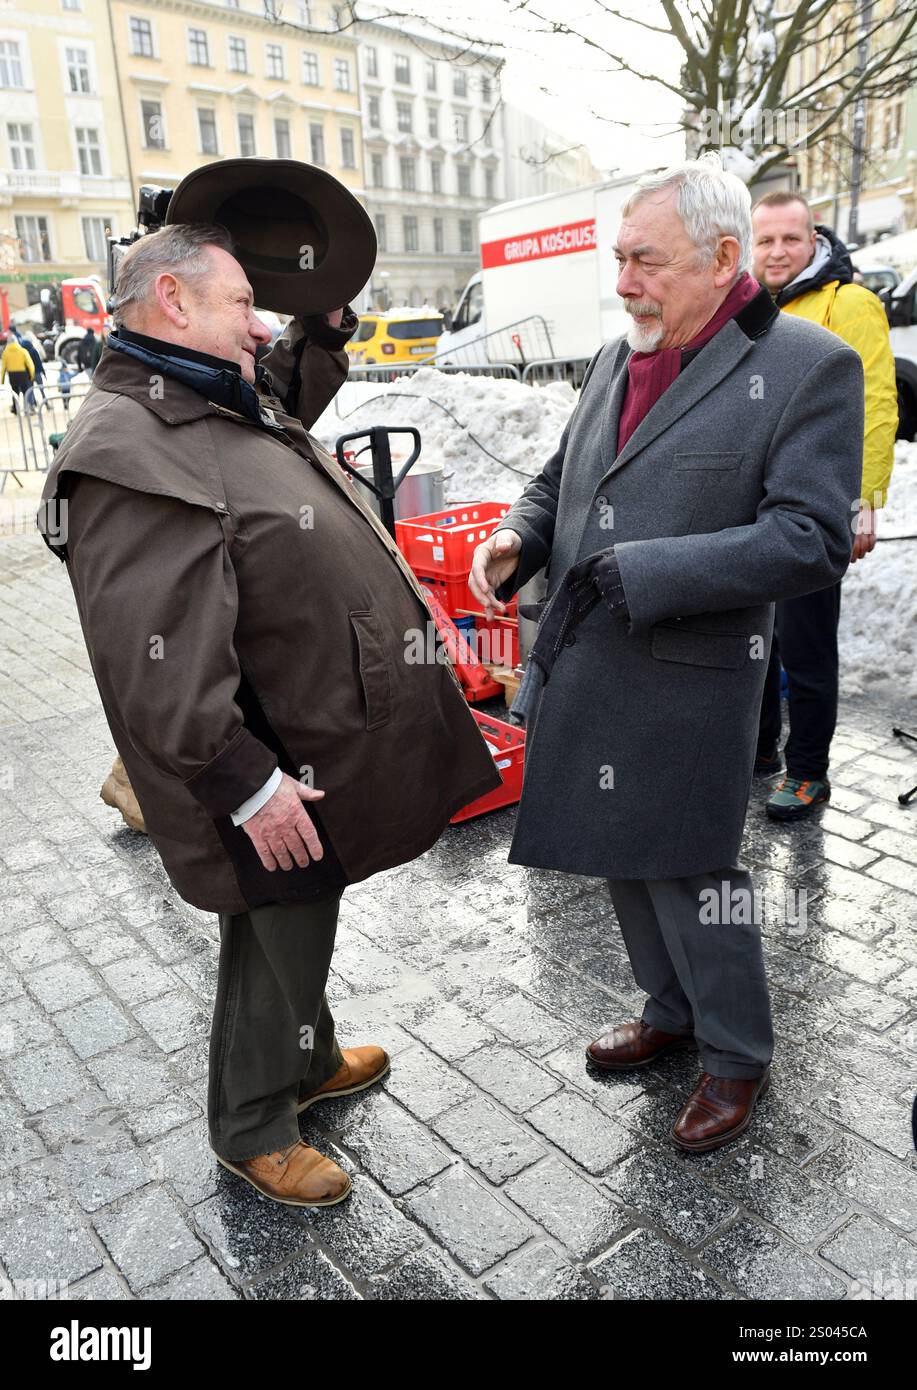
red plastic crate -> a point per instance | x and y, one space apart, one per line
498 642
439 545
510 744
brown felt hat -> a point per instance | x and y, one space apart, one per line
275 209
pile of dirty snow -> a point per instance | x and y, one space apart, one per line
490 434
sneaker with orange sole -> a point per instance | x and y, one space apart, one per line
792 799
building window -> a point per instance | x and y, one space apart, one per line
490 183
238 56
198 48
432 122
310 69
461 127
21 140
34 241
141 38
154 135
88 150
464 180
96 231
431 75
410 234
377 171
348 153
381 244
78 69
207 129
408 173
317 143
485 89
374 116
466 236
341 75
283 148
459 84
436 176
405 116
274 60
246 124
372 62
402 68
439 239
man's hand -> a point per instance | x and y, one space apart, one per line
493 562
281 831
334 317
865 539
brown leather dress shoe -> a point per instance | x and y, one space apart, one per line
361 1067
297 1176
718 1110
634 1044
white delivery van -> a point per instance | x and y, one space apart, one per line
546 287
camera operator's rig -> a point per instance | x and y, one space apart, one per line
151 215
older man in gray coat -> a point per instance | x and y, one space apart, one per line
711 467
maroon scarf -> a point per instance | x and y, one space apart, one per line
649 374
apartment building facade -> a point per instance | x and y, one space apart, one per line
64 171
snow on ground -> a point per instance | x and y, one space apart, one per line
465 419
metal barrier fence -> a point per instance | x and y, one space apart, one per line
29 425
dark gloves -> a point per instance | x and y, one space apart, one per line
585 584
319 331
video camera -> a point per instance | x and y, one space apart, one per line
151 215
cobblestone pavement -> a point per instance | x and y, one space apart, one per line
490 1163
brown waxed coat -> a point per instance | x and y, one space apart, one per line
243 608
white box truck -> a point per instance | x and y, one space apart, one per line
546 287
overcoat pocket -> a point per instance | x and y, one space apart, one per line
693 648
374 676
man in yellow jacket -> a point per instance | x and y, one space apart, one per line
16 363
809 273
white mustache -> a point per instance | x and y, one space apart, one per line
635 307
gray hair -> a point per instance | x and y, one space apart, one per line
180 249
712 202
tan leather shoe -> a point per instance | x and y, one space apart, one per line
634 1044
297 1176
718 1110
361 1067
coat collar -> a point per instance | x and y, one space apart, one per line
705 371
176 404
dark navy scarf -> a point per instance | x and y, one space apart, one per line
215 378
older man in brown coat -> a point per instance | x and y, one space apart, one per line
248 618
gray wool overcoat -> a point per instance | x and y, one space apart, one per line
737 489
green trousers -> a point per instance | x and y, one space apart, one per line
272 1029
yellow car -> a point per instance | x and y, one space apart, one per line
400 335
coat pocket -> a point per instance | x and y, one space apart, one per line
377 688
708 460
693 648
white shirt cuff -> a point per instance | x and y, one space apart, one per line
254 803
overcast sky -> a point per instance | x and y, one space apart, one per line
572 87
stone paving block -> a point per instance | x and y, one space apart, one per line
17 1144
99 1173
150 1121
608 1090
246 1232
644 1266
99 1287
392 1146
422 1275
173 1020
781 1193
42 1236
183 1159
449 1031
23 1025
94 1026
36 946
137 978
574 1211
147 1237
587 1135
509 1077
61 985
872 1116
11 986
103 942
488 1139
528 1025
657 1188
366 1233
200 1282
44 1076
473 1225
869 1178
19 911
877 1259
424 1084
539 1273
762 1265
135 1074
